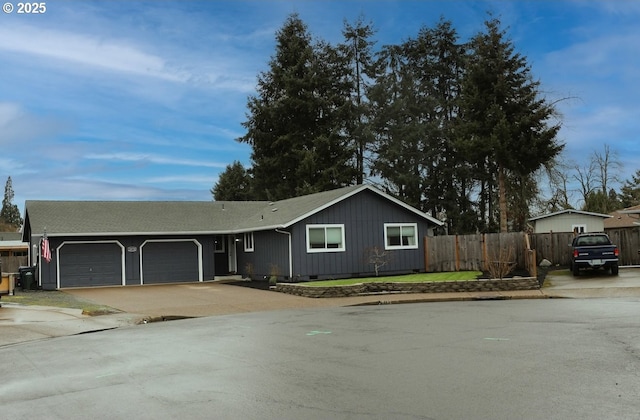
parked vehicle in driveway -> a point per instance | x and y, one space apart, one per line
593 251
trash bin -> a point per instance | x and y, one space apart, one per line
28 278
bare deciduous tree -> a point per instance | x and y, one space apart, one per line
608 168
501 263
378 257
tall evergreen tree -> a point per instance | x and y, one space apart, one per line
10 214
294 123
357 53
398 126
440 60
509 131
415 118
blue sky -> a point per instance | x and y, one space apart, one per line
128 100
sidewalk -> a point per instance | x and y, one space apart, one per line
139 304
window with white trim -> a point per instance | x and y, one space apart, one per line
400 235
579 228
248 242
325 238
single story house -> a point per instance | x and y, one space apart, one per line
318 236
11 245
13 252
569 220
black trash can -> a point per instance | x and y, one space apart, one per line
28 278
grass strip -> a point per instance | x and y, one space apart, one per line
408 278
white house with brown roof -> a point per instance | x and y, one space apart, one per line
569 220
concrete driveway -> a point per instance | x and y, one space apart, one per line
593 284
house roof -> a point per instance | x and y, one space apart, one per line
89 218
10 236
12 240
624 218
630 210
570 211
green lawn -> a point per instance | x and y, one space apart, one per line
409 278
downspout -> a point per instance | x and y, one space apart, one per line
290 255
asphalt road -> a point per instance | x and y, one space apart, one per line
516 359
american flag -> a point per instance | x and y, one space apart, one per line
46 251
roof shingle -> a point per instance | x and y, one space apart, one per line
77 218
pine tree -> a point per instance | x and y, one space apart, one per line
294 123
630 191
415 109
399 127
234 184
356 51
509 125
10 214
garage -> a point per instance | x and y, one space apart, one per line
91 264
171 261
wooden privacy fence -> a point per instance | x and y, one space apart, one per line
554 246
11 264
475 252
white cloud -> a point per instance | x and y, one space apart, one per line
188 179
17 126
79 188
154 159
92 51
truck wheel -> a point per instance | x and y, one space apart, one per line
614 269
576 270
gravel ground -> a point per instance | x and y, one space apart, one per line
58 299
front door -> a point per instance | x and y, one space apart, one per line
233 260
221 255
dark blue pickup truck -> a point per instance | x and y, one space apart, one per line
593 250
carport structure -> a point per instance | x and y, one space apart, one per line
120 243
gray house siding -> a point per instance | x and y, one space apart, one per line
363 216
117 243
89 261
271 252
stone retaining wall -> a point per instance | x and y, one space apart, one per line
520 283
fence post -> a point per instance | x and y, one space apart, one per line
426 254
457 245
534 264
485 253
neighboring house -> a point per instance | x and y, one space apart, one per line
318 236
627 218
569 221
13 252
